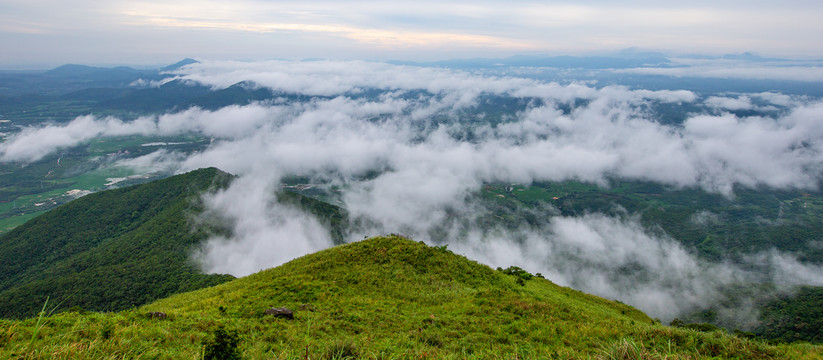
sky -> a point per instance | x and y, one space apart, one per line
47 33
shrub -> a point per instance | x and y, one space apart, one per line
744 334
107 330
222 346
521 274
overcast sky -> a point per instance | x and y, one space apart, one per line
44 33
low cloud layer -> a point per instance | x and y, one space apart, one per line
803 71
616 258
433 137
263 231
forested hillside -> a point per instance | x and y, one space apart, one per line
109 250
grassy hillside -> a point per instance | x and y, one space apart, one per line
383 298
109 250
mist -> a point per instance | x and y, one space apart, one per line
432 138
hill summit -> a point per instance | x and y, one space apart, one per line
385 297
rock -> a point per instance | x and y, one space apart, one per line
281 312
156 315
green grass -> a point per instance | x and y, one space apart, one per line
383 298
93 181
10 223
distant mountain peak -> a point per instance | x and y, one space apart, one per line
746 56
70 69
75 71
179 64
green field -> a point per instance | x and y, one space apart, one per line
87 167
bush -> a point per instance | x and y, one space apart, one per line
107 330
744 334
521 274
222 346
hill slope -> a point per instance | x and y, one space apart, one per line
119 248
109 250
383 298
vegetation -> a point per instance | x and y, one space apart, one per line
795 317
109 250
333 217
382 298
715 226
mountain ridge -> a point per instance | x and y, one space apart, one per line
385 297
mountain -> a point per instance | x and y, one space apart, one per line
386 297
179 64
68 78
95 74
164 98
119 248
109 250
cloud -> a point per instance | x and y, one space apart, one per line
263 231
736 70
781 99
330 78
606 131
725 103
611 257
418 125
33 143
391 39
160 161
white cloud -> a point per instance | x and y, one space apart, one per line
726 103
613 258
263 231
34 143
160 161
736 70
609 134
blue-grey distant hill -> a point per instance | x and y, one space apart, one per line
582 62
73 77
